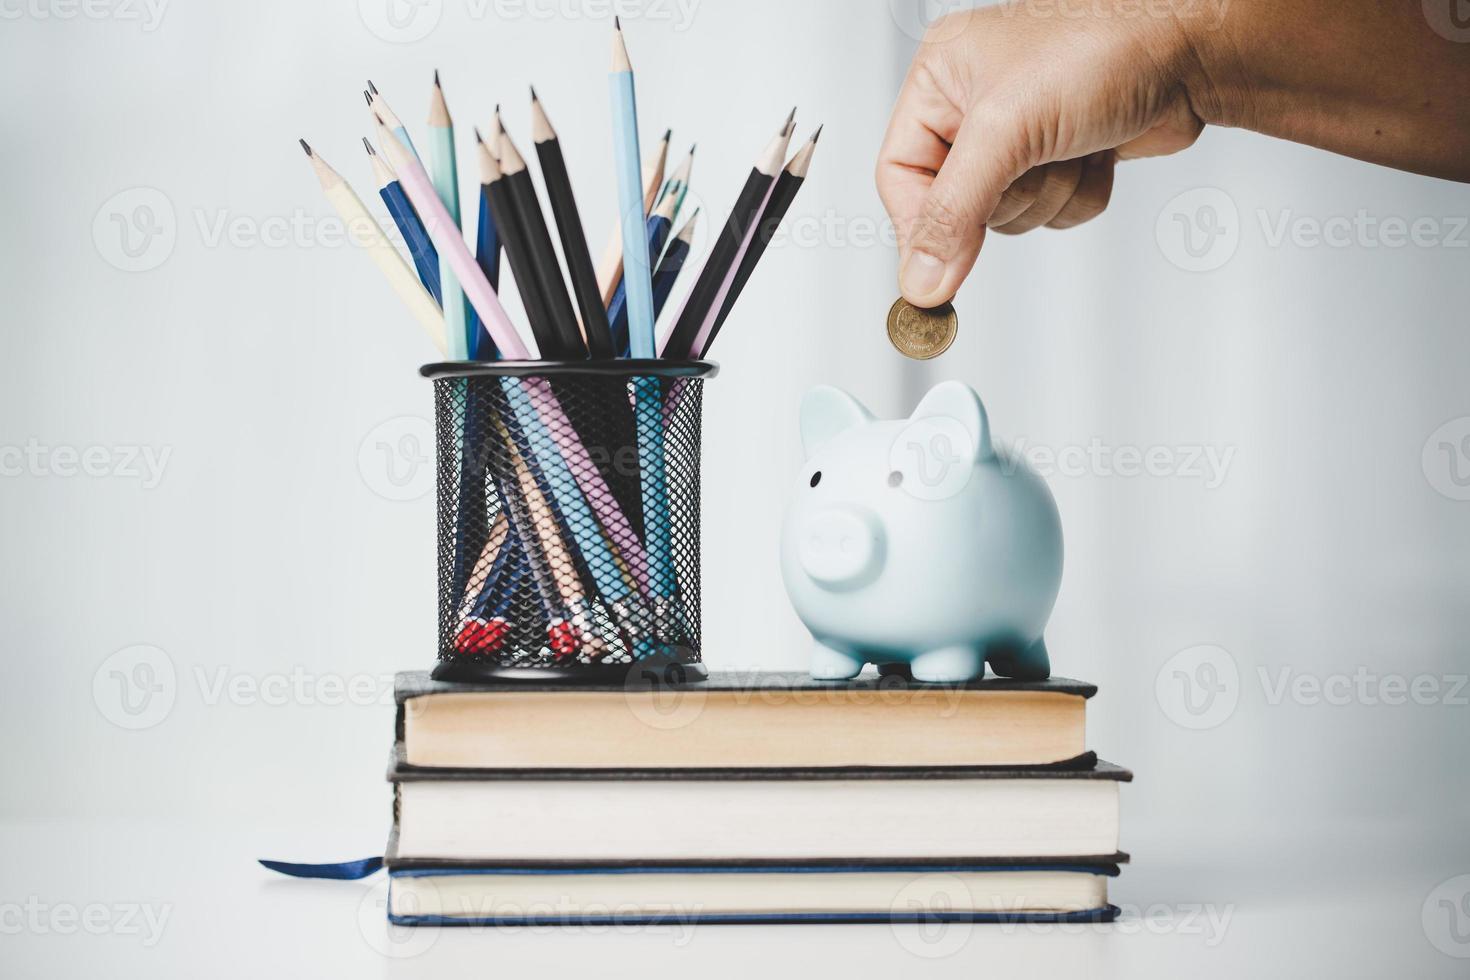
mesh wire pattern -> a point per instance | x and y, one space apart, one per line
568 516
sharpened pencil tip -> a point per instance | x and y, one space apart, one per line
617 23
306 146
367 95
533 94
436 78
476 130
818 134
668 133
371 87
369 147
691 148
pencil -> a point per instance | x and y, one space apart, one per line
657 233
637 276
529 400
364 231
487 257
610 267
678 184
778 202
724 252
492 556
503 213
420 249
380 107
447 238
672 263
569 227
531 224
446 184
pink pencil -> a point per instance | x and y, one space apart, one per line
706 328
449 240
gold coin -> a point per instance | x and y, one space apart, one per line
921 334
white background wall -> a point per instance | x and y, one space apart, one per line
1336 538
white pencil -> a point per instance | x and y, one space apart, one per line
364 231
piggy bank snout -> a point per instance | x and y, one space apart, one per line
841 546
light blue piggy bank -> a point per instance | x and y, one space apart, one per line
918 543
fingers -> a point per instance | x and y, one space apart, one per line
1093 192
914 147
944 233
1057 195
1057 186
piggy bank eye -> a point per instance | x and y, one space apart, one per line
895 479
816 477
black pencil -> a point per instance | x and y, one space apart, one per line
492 182
782 195
573 238
722 255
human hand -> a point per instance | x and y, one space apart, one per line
1012 122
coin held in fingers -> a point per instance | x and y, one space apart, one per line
919 333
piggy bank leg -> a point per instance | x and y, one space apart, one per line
948 664
831 664
1023 663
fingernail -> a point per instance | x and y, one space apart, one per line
921 274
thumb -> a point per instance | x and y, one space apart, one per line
944 237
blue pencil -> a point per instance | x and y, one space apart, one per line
673 261
390 119
637 275
638 279
420 248
487 257
658 233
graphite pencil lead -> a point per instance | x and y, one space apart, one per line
818 134
436 78
617 23
369 147
371 87
667 134
790 121
367 95
305 146
533 94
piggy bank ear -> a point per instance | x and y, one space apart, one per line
957 401
826 412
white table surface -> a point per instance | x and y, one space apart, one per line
1302 911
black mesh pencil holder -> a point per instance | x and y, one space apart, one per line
568 512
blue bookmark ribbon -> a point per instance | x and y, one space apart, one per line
340 871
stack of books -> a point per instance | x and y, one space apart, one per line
752 797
